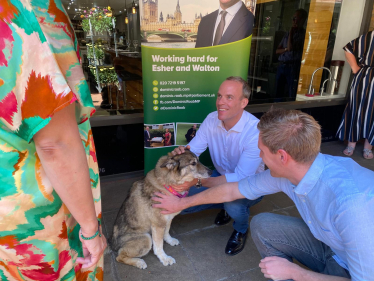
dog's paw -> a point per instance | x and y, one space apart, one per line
167 260
141 264
172 241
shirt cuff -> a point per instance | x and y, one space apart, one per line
245 188
232 177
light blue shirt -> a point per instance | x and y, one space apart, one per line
336 200
234 153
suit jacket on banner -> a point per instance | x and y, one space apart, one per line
240 27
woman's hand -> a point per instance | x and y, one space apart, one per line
92 249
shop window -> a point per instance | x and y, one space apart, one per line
281 66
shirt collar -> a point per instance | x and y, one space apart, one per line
239 126
312 176
233 9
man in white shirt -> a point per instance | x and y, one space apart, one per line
231 134
230 23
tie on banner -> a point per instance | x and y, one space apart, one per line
180 84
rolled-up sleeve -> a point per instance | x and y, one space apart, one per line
260 184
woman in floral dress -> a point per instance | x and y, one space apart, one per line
49 179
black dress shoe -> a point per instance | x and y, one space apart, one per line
236 243
222 218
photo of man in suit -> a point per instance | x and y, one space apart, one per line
191 133
147 137
230 23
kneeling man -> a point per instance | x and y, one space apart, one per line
334 196
231 135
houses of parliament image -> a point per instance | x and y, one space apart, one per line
153 21
156 26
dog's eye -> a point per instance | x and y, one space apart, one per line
193 164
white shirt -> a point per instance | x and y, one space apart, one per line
231 12
234 153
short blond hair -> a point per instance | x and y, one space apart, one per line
294 131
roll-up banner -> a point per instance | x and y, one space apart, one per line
189 47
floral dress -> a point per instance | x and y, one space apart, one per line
40 74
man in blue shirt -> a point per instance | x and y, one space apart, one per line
334 196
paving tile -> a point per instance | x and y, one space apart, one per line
289 211
114 193
206 250
254 274
109 271
280 200
193 222
183 269
108 222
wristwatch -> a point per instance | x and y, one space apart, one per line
285 49
198 184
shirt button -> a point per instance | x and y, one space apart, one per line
309 222
303 200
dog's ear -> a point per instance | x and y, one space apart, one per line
170 164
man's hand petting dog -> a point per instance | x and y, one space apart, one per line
168 202
180 150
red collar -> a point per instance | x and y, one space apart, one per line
174 192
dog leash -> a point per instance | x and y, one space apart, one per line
174 192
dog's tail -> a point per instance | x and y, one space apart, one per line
108 249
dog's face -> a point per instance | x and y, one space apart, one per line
183 167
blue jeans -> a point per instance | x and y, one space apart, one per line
289 237
238 209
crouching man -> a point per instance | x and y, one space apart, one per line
334 196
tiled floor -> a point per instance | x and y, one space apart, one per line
200 255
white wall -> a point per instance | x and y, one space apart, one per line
350 20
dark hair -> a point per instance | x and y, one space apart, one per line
303 14
246 89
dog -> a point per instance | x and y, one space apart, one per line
137 219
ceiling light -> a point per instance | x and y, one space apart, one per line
133 7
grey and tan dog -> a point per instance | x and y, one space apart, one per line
138 226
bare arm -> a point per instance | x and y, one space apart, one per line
277 268
63 158
351 59
223 193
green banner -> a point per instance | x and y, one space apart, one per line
180 87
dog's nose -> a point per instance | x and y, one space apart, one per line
210 172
